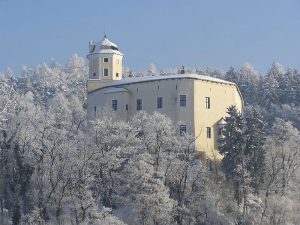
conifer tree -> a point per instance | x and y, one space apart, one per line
270 87
248 83
232 75
254 141
232 146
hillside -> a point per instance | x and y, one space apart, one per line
57 170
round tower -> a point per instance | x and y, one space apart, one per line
105 63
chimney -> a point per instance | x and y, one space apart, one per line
91 46
182 71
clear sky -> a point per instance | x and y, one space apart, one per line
168 33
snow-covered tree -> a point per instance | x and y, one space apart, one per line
231 75
283 156
145 186
248 83
157 135
270 86
281 178
56 170
114 143
185 178
106 217
6 99
151 71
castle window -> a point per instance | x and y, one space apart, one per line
94 74
126 107
182 100
105 72
117 74
159 102
139 104
207 102
95 111
208 132
115 105
182 130
105 60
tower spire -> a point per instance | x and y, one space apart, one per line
105 62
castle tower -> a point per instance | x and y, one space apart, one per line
105 63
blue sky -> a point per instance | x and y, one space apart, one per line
211 33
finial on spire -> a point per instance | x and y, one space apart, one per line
105 33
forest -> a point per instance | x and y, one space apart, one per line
56 169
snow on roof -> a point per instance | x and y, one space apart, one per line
107 42
109 51
222 121
106 46
125 81
177 76
114 90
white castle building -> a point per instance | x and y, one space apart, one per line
196 102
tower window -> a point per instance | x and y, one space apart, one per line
182 99
126 107
207 102
105 60
114 105
159 102
105 72
117 74
94 74
139 104
208 132
182 130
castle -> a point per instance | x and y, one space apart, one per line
196 103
